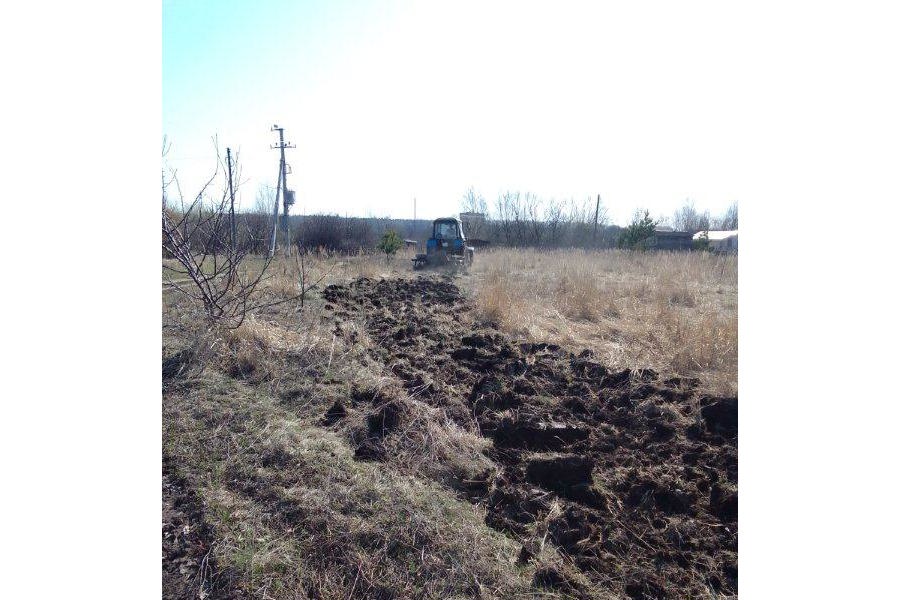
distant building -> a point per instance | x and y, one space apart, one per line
474 227
720 241
666 239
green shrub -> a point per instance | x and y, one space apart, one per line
641 228
390 242
702 243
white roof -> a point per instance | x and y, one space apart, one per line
715 236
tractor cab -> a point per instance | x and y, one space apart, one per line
446 246
447 233
450 229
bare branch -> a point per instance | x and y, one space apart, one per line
199 241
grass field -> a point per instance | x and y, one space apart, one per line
352 448
674 312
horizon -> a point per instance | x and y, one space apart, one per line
661 225
409 101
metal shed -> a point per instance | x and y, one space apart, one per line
669 240
720 241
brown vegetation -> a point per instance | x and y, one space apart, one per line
352 448
674 312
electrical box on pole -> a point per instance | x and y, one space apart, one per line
286 195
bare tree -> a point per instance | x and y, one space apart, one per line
534 227
555 222
580 222
207 267
528 220
688 218
321 231
360 234
265 200
473 202
473 213
503 208
729 220
601 214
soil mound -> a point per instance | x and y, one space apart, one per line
644 469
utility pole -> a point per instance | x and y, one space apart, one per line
275 215
231 193
596 217
287 195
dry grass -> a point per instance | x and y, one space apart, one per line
283 275
294 515
675 312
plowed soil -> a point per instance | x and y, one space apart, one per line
634 474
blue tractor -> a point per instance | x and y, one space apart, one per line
446 246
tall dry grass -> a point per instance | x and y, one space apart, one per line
283 276
674 312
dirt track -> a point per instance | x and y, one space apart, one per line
635 474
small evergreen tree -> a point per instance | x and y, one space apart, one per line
641 228
390 242
702 243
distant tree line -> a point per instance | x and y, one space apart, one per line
524 219
514 219
688 218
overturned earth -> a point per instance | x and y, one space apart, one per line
633 474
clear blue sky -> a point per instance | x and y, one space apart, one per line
393 100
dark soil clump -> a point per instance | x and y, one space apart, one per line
334 414
560 473
642 467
